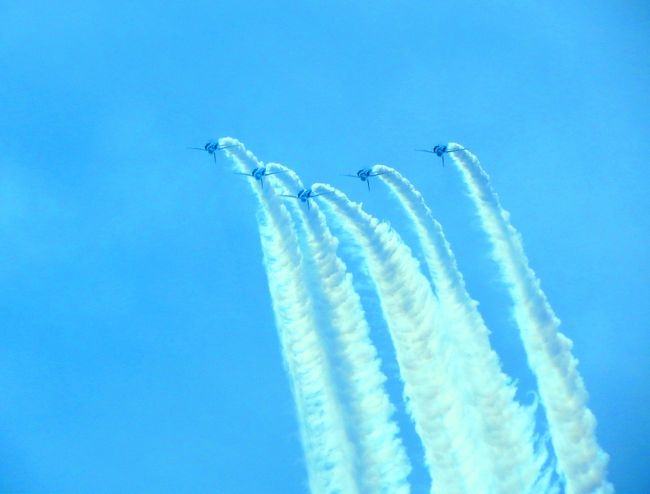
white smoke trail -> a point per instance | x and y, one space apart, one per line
507 428
383 462
411 312
328 451
572 425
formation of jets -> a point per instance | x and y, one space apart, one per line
304 195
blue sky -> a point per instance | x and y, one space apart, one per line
138 346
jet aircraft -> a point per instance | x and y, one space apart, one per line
259 173
364 175
304 195
211 147
440 150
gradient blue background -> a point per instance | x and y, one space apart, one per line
137 346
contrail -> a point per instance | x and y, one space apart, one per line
411 312
383 462
328 450
581 462
507 428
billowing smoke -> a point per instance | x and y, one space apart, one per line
506 427
328 450
476 438
413 318
571 423
382 459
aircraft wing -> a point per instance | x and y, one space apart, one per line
425 151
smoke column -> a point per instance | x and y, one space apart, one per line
328 451
505 426
412 314
572 425
383 462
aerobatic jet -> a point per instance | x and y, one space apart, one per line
259 173
364 175
440 151
304 195
211 147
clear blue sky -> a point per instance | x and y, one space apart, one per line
137 346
